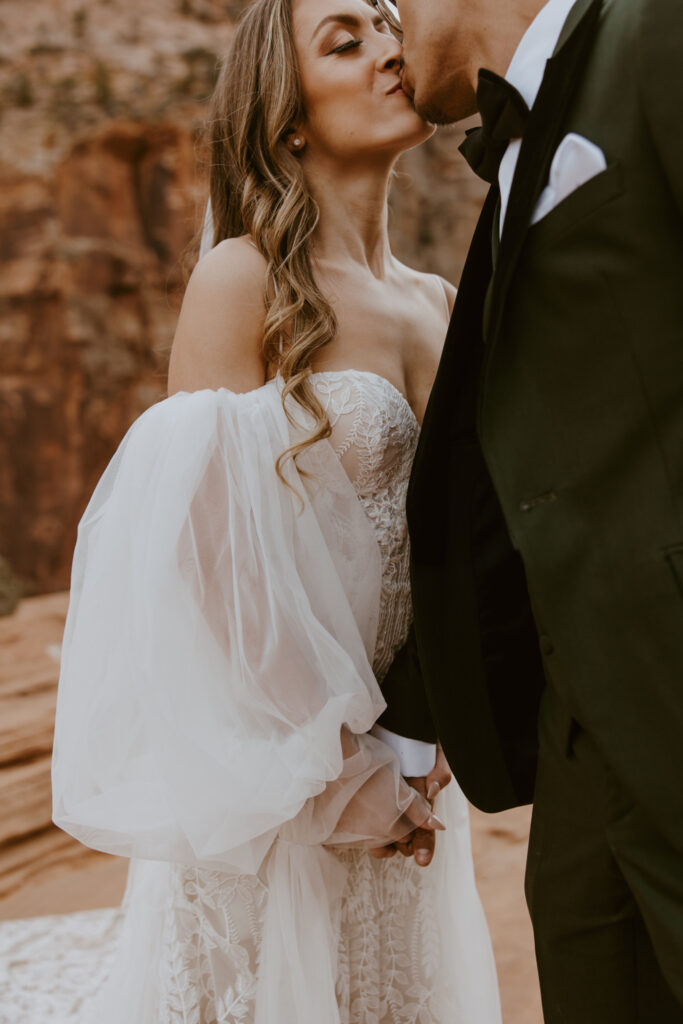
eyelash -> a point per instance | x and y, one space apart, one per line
352 44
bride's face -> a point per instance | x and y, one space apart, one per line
349 67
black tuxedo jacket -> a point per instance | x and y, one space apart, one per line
546 501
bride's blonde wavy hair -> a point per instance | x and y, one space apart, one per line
258 188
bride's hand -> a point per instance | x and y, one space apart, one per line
421 842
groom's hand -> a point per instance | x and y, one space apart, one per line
439 776
421 842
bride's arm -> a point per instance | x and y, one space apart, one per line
218 338
368 803
215 688
219 342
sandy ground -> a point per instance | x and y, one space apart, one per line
499 844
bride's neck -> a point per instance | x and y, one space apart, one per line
353 226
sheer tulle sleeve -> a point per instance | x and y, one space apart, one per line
215 687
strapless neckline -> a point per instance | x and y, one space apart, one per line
350 371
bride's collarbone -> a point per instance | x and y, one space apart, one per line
406 353
395 331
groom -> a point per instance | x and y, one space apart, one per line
546 502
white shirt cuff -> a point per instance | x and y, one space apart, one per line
416 757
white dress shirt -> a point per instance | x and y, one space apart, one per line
526 74
416 757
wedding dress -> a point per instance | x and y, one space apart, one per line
225 644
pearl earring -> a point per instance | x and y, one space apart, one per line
298 142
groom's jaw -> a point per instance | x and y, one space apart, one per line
445 100
446 44
438 63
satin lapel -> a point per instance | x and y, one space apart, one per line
495 242
451 410
559 86
463 340
574 18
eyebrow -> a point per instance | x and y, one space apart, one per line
346 19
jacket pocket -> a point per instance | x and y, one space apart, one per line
578 207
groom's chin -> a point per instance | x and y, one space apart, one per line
434 115
446 107
428 111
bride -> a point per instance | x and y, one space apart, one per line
240 585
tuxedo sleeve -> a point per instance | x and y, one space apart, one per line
407 712
660 52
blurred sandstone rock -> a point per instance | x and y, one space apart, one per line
101 189
10 588
29 667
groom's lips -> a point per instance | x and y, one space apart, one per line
407 87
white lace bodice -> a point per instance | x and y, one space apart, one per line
375 433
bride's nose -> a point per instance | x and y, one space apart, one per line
390 57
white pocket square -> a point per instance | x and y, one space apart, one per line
576 161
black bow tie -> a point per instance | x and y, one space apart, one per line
504 115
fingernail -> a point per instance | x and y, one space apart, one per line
434 822
433 790
423 856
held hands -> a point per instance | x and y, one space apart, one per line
420 842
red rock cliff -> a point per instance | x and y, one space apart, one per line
101 107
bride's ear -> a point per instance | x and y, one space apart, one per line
295 141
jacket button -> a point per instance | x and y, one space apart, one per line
545 644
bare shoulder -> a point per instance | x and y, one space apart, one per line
219 335
440 291
445 287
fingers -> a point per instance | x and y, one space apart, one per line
405 846
423 816
424 837
433 791
419 811
421 842
418 783
383 852
440 773
423 846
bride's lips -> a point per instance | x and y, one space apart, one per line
395 88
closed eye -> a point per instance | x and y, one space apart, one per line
352 44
